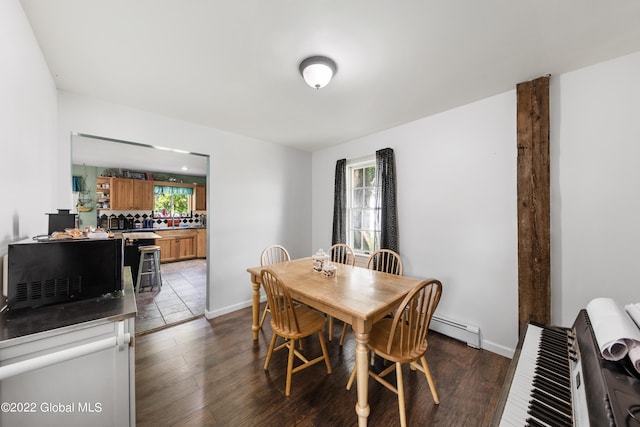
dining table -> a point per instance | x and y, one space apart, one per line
355 295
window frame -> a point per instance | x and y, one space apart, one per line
362 163
172 213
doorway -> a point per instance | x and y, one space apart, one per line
183 294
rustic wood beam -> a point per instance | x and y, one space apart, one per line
534 259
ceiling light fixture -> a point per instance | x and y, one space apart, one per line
317 71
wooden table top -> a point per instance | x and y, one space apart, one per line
354 293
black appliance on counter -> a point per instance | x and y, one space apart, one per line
56 271
121 222
61 220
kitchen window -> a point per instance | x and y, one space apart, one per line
172 201
363 209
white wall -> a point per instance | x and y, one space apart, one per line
456 173
27 130
595 169
457 199
258 192
457 213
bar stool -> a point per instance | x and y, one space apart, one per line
149 266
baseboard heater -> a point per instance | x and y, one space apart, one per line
465 333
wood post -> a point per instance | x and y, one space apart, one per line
534 260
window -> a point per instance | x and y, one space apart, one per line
172 202
363 211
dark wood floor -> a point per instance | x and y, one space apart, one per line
210 372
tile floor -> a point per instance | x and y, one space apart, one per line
182 296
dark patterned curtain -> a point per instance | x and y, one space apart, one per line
340 204
385 164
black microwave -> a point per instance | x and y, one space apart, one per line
51 272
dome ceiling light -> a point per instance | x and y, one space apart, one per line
318 71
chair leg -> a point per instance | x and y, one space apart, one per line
344 333
330 328
324 352
138 279
270 352
400 386
432 385
157 259
292 348
352 377
264 314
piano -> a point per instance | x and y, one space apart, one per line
558 377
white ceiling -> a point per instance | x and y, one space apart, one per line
233 65
106 153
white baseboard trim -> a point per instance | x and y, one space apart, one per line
210 314
486 345
498 349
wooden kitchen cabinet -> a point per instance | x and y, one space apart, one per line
201 243
127 194
185 247
143 197
167 245
201 197
121 194
177 245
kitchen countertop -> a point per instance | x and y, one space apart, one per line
111 307
135 235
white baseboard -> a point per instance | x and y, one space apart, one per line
498 349
228 309
465 333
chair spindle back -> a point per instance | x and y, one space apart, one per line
283 312
385 260
273 255
342 254
412 319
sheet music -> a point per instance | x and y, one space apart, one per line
615 332
634 353
634 312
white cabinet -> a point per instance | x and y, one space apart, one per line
70 364
93 389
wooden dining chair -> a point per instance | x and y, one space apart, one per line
385 260
343 254
291 322
272 255
403 339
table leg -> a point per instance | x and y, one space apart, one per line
255 327
362 364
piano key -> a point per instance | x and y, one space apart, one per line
531 422
560 406
541 376
547 414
